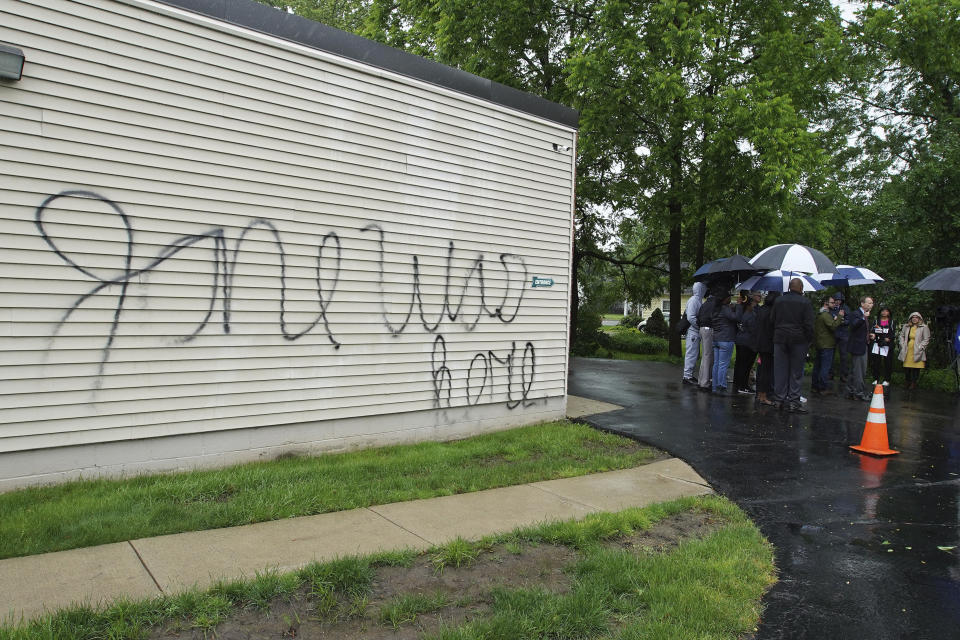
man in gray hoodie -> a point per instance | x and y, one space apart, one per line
693 333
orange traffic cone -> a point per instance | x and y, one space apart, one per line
875 431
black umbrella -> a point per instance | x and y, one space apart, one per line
736 267
947 279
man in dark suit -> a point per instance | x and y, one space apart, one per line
792 334
857 348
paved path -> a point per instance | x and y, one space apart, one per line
167 564
866 547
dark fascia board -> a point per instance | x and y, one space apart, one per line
274 22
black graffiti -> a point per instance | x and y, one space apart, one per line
441 373
526 367
224 268
449 310
225 256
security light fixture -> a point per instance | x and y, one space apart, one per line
11 62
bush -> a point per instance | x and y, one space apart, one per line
586 334
631 340
630 321
934 379
657 325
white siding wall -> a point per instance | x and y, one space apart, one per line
207 230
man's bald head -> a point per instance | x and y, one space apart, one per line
796 284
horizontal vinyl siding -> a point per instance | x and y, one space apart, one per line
397 195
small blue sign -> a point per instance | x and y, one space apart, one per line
542 282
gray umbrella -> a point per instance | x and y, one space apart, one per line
947 279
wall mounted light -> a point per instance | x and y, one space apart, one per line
11 62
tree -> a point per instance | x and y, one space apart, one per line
705 125
657 324
700 115
348 15
912 124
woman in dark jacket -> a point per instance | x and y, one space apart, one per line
724 334
764 332
881 349
746 342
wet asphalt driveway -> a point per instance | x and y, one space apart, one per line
865 547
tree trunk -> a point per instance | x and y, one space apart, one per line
701 241
673 259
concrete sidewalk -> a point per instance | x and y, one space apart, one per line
169 564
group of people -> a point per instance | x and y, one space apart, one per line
776 333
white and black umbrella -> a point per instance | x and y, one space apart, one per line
778 280
848 276
793 257
947 279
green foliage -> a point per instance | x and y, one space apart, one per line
404 608
350 575
910 64
630 321
632 340
586 333
456 553
348 15
657 325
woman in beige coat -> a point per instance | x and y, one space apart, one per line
913 339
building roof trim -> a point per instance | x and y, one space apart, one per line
287 26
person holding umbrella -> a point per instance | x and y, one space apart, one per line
718 275
845 276
746 342
725 320
914 337
792 334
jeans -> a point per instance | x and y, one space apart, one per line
858 368
693 350
706 357
821 369
721 362
788 362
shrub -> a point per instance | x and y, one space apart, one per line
935 379
633 341
586 334
630 321
657 325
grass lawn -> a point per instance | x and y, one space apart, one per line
87 513
600 577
